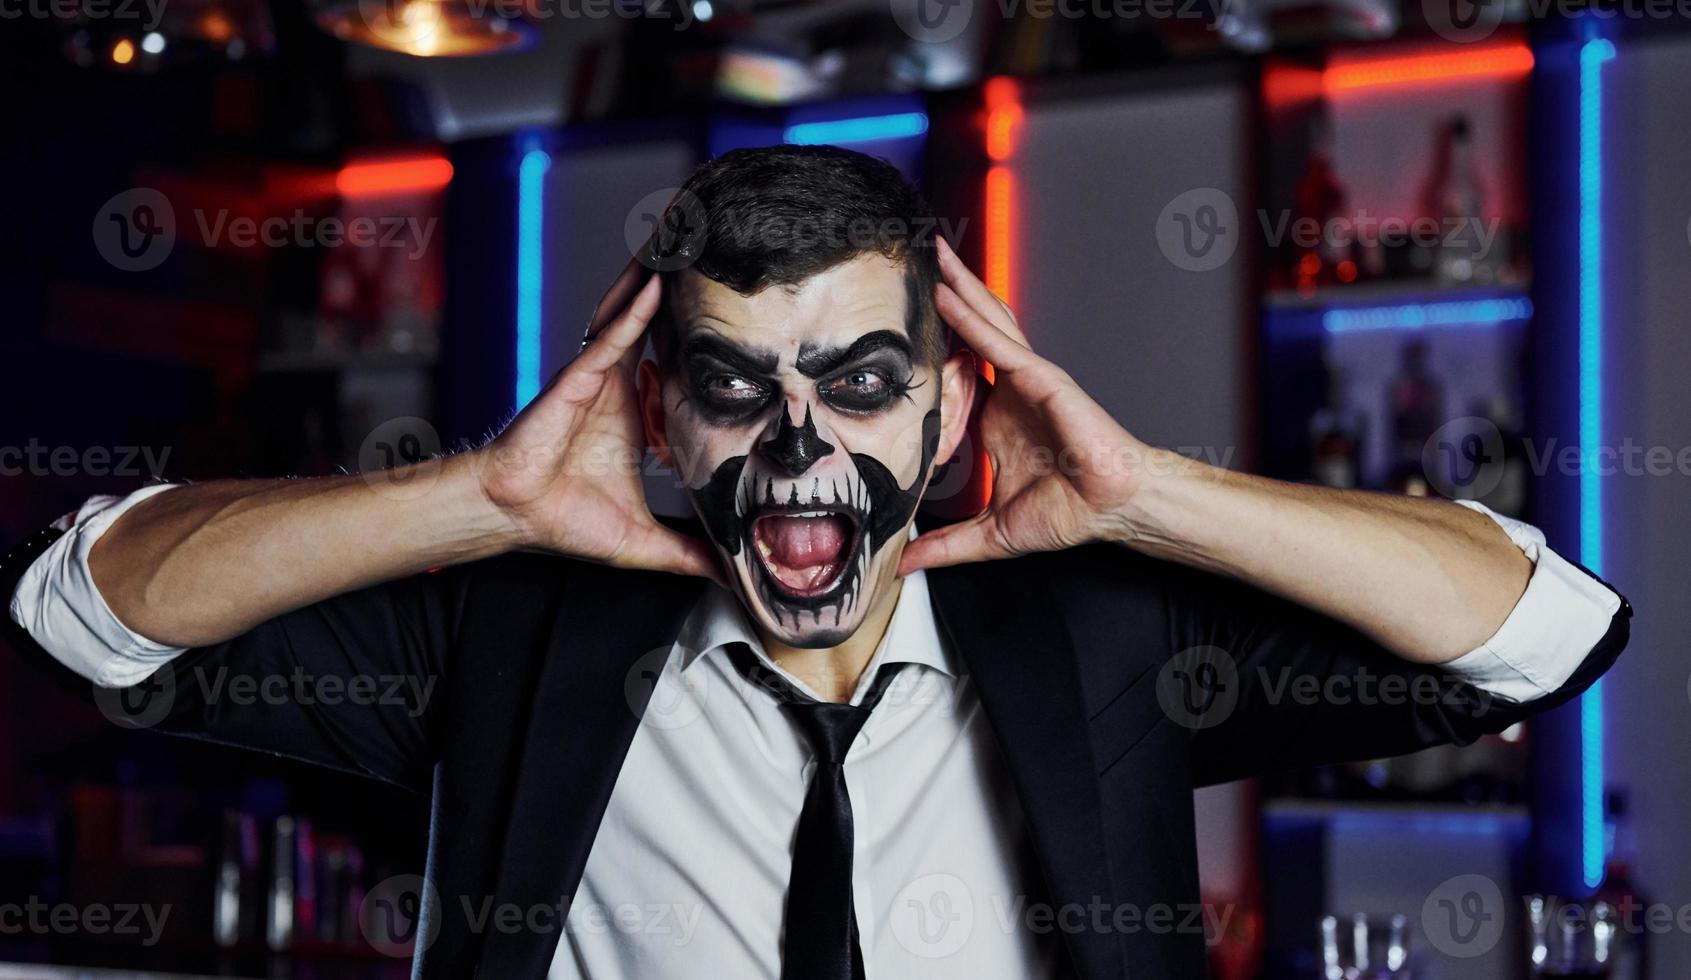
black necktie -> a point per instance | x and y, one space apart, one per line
821 928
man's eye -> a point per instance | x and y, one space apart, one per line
729 389
860 390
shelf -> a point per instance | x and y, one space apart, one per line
1404 292
1399 820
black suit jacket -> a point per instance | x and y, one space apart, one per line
539 690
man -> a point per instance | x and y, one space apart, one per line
810 729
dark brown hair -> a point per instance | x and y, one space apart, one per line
777 215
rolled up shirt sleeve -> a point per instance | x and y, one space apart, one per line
1558 620
57 603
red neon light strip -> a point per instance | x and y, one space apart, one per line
1004 115
1514 59
998 221
394 176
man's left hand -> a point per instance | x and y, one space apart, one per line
1063 470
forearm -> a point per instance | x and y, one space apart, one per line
1426 579
204 563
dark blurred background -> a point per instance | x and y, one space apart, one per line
1433 248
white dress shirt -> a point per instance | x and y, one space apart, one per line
688 872
701 821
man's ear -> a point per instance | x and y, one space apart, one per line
957 402
651 412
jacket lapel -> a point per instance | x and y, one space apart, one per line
1008 629
613 624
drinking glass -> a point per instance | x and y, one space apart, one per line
1356 947
1573 939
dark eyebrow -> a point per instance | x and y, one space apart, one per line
750 360
814 362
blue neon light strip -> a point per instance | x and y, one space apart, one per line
1592 55
531 206
864 129
1418 316
1393 828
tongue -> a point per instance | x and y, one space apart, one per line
803 542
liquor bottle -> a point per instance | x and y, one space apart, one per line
1417 407
1336 433
1505 488
1453 197
305 879
1628 960
1318 200
279 917
234 901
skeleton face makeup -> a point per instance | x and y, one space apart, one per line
804 429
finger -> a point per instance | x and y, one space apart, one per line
622 289
988 341
615 340
660 549
955 544
961 278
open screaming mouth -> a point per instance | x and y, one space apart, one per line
806 553
813 541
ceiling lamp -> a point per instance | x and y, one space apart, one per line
425 28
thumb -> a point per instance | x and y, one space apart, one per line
975 539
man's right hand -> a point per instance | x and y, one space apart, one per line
566 471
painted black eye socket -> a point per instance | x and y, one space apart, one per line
732 393
859 390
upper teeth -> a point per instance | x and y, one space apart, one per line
812 513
